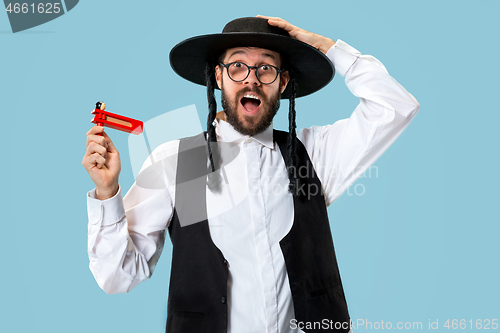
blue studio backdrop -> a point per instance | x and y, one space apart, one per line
417 238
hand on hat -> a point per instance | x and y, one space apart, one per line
317 41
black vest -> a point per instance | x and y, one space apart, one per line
198 281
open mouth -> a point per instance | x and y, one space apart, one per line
250 103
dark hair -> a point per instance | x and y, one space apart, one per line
212 109
292 158
214 179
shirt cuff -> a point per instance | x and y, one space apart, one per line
343 56
105 212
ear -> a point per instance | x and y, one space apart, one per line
284 78
218 76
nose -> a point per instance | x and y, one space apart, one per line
252 77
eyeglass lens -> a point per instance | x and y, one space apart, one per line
239 71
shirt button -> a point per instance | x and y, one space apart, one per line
223 300
249 140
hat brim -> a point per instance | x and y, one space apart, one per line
312 69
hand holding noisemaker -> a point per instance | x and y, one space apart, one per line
111 120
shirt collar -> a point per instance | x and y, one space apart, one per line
227 133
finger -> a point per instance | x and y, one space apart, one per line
279 22
94 148
94 161
293 31
305 36
99 139
98 160
95 130
274 18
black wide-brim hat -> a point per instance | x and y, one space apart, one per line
311 68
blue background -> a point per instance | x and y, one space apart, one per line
420 244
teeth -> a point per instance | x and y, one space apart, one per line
251 96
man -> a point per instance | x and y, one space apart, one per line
262 258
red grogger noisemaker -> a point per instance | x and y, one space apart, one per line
115 121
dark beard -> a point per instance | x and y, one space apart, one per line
255 126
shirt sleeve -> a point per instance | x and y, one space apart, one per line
341 152
126 236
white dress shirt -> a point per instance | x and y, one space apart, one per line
253 211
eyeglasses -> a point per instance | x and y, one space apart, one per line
239 71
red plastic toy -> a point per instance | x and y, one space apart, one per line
111 120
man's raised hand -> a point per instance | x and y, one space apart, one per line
317 41
102 162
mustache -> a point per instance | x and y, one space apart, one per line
254 90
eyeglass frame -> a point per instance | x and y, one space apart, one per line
278 71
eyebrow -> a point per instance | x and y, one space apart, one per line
270 55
